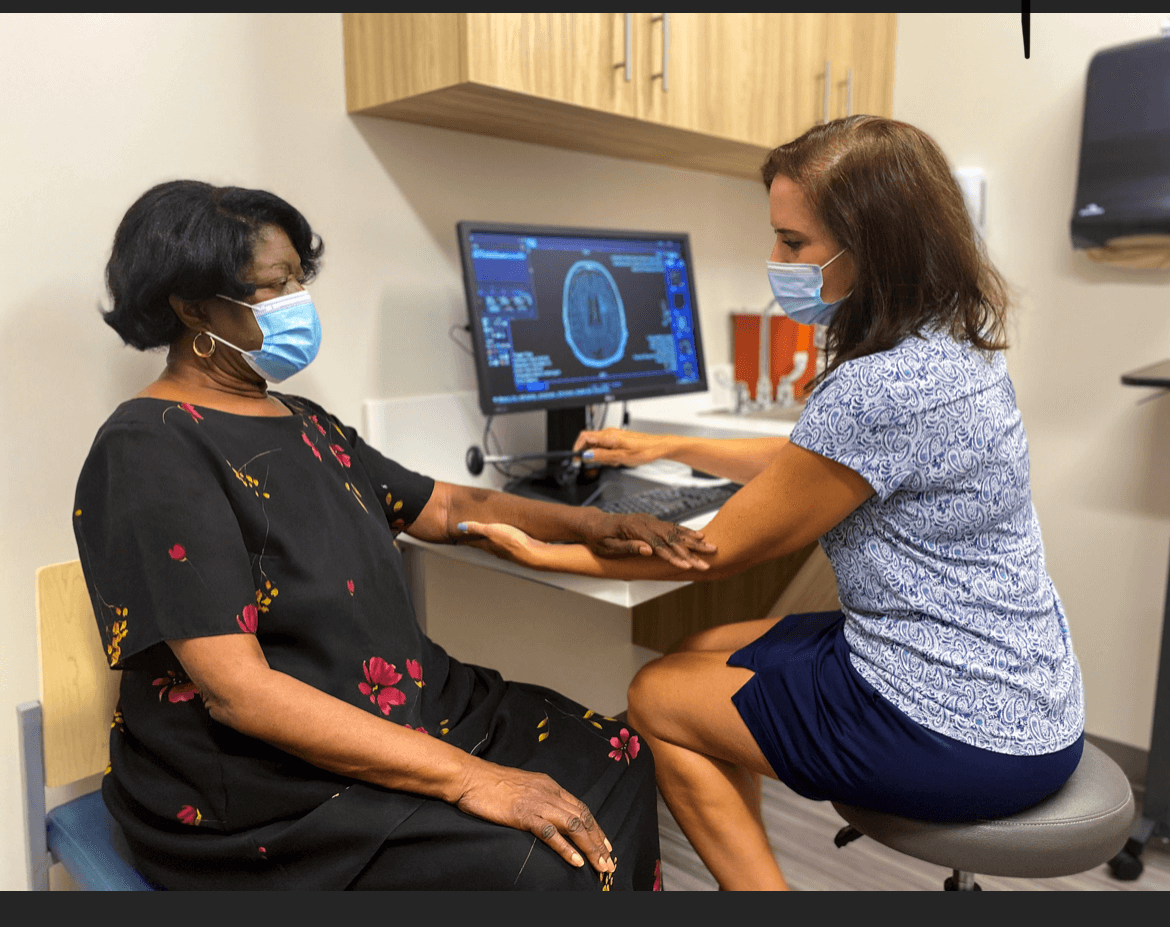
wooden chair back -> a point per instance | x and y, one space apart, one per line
79 691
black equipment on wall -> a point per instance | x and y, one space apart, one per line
1123 184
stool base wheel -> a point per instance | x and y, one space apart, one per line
1127 865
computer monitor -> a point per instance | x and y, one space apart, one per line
563 318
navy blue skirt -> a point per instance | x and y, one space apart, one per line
829 735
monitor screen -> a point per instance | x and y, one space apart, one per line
564 317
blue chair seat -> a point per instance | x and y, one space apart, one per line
83 836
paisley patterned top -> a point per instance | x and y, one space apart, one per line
950 613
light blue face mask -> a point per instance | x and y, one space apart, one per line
292 335
797 288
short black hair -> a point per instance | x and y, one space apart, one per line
192 240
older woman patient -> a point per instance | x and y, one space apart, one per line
283 721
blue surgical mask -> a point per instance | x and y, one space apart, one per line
292 335
797 288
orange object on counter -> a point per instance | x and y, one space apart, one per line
786 338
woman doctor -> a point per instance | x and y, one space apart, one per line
946 687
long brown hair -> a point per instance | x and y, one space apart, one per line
884 190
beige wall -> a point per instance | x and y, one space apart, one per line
1099 453
97 108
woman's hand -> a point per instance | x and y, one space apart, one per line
630 535
615 447
673 543
535 803
505 541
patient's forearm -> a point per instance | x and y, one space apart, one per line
542 520
240 690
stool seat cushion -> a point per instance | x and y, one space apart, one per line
1081 825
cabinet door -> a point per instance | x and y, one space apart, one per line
810 54
872 60
723 74
575 58
395 56
707 91
845 66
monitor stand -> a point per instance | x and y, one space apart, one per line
562 482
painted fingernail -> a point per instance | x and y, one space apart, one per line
462 526
587 455
604 863
609 846
577 860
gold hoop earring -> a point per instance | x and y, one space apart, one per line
195 345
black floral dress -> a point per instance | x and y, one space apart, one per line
192 522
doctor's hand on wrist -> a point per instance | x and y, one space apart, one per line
645 535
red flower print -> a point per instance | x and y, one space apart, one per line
316 453
380 677
175 688
657 876
190 815
313 418
349 586
624 745
190 410
339 453
420 728
415 669
178 553
247 621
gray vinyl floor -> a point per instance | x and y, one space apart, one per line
802 832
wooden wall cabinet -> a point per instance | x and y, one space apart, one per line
706 91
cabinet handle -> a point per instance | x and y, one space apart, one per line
828 90
628 63
664 73
849 93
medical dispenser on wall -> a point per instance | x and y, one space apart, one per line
1122 210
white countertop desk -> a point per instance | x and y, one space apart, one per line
573 633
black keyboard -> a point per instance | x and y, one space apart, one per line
672 503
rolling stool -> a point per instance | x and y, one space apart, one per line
1080 826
